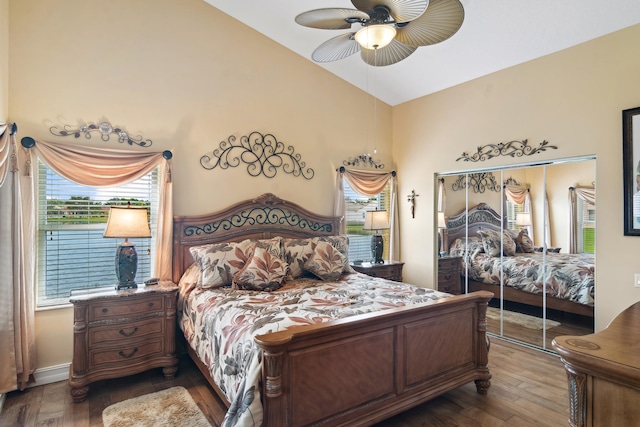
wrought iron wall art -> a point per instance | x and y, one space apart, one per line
511 181
259 216
263 155
363 160
478 182
104 129
511 148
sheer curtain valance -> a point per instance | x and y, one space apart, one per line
520 196
370 183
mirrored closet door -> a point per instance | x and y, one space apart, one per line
527 234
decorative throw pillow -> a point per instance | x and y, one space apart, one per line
491 243
341 243
327 262
524 242
263 272
296 254
220 261
298 251
472 246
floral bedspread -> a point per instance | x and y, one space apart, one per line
220 324
568 276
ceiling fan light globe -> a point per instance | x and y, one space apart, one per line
375 36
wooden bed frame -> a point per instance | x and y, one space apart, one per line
482 216
354 371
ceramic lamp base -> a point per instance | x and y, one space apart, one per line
126 265
377 247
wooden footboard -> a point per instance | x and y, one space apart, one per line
361 370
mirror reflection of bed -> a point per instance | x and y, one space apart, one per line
540 294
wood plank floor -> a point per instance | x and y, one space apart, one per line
528 388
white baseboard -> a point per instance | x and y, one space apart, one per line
50 374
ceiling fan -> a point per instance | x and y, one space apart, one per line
391 29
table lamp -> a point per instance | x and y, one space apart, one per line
376 220
523 219
126 222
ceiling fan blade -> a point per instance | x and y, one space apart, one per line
336 48
400 10
331 18
442 19
390 54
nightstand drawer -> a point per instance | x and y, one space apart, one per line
128 307
129 331
449 269
124 354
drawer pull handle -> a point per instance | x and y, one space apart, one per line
123 333
104 310
126 356
150 304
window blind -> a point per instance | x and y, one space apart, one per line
356 206
72 255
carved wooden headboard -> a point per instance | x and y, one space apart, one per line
263 217
481 217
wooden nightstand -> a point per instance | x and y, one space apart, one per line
449 270
391 270
119 333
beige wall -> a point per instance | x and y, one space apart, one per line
186 76
573 99
4 60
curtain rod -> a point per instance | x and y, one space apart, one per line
28 142
342 169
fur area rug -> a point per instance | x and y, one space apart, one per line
524 320
170 407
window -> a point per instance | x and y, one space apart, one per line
586 227
356 206
513 209
71 218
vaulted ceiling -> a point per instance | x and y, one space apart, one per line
495 34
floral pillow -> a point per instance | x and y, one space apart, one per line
341 243
491 243
296 254
461 246
219 262
263 272
524 242
327 262
298 251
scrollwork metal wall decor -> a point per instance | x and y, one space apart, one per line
363 160
259 216
478 182
511 148
104 129
263 155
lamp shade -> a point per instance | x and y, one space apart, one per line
441 221
375 36
127 222
376 220
523 219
